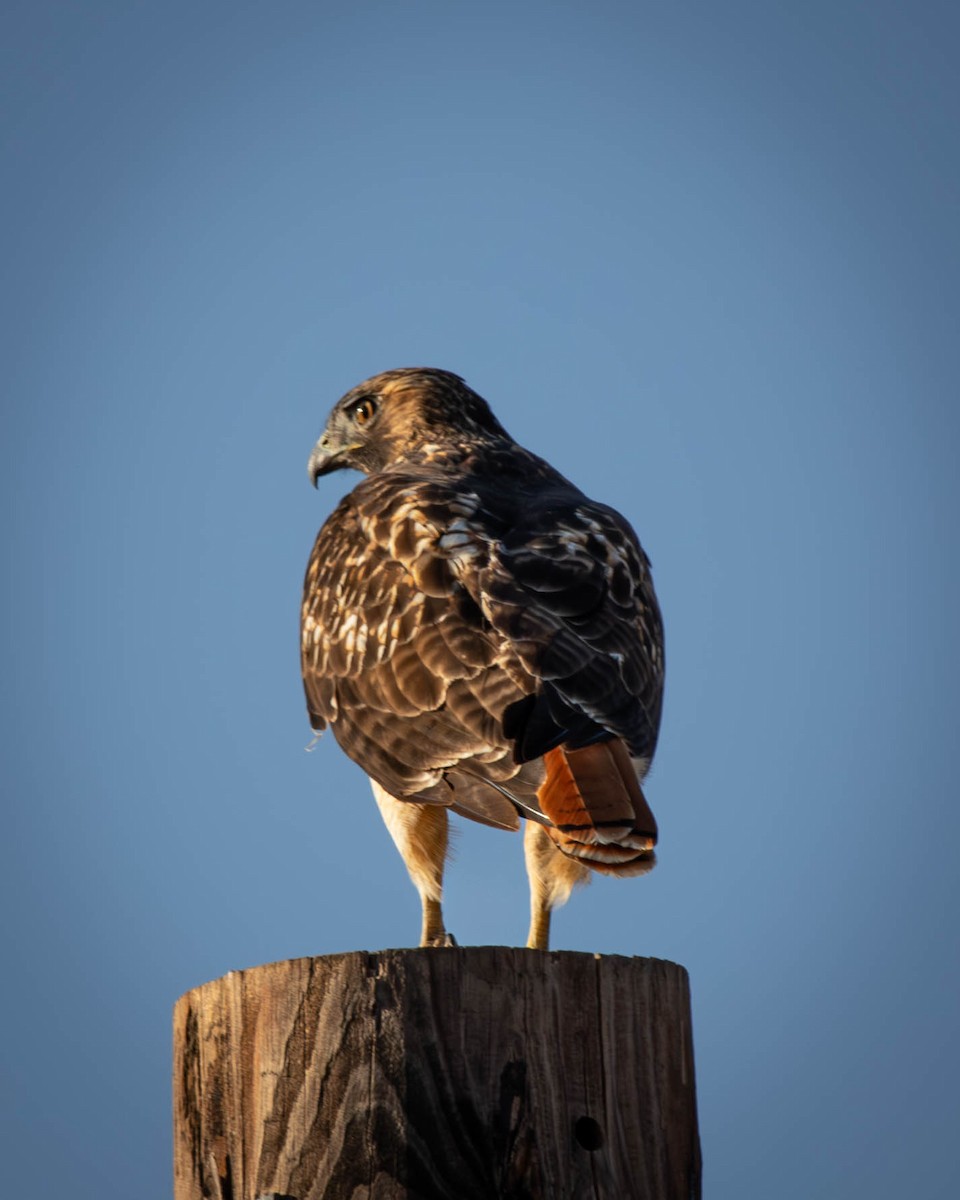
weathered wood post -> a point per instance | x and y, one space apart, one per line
438 1074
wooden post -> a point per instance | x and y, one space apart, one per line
438 1074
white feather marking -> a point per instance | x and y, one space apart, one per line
641 766
456 541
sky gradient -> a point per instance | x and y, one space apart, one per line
701 257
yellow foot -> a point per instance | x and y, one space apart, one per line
441 939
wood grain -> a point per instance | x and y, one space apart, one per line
438 1074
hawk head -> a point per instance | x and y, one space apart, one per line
401 416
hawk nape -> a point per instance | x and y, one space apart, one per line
482 638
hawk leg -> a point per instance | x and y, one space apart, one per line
553 876
420 833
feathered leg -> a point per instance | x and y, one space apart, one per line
420 833
553 876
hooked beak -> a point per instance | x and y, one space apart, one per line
322 460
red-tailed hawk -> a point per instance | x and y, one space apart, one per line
482 638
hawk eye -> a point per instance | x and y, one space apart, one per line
363 410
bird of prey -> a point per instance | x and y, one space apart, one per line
481 638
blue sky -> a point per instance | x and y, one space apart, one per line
703 258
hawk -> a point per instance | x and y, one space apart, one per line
481 638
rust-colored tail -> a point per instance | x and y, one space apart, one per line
599 813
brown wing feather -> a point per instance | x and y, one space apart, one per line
398 659
570 587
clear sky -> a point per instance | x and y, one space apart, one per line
701 256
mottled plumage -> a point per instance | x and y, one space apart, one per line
481 636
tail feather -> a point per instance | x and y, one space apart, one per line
597 810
